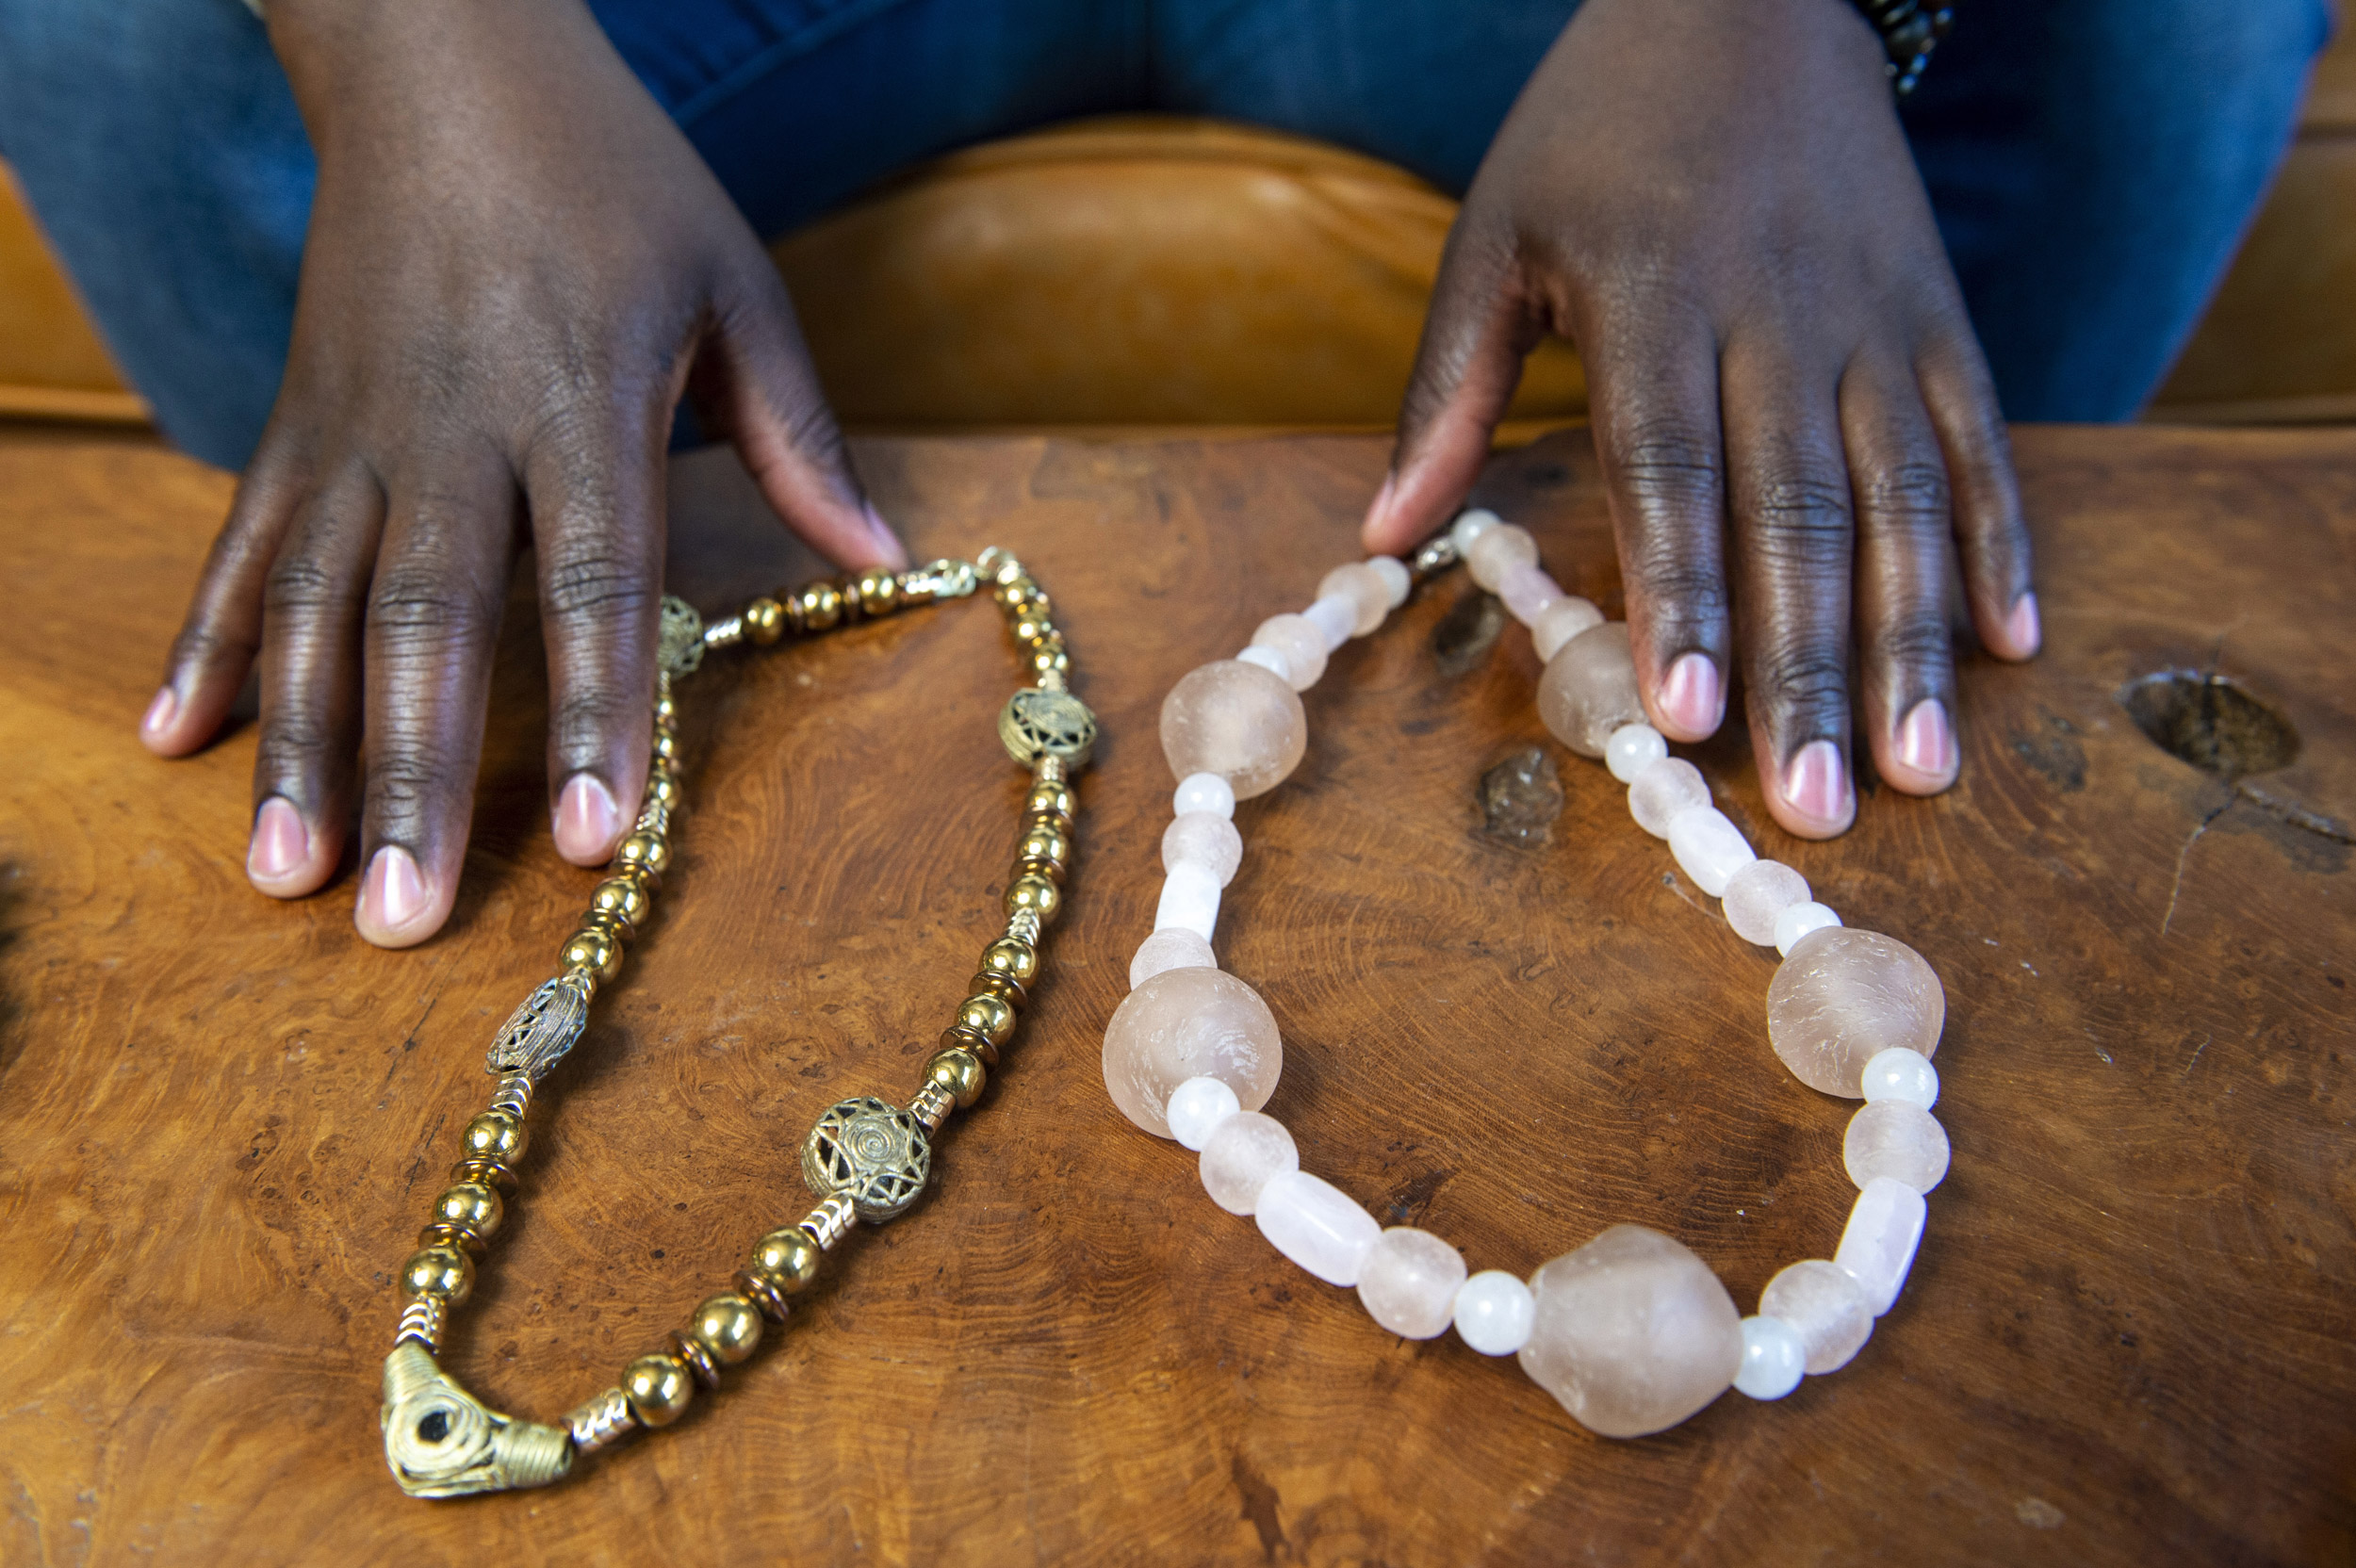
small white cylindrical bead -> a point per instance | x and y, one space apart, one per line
1899 1073
1897 1140
1469 526
1274 661
1409 1281
1189 901
1303 645
1176 948
1241 1155
1757 894
1396 581
1528 593
1204 838
1318 1225
1709 847
1798 920
1633 747
1364 587
1203 791
1669 786
1824 1301
1561 621
1497 551
1495 1312
1773 1359
1335 618
1196 1107
1885 1228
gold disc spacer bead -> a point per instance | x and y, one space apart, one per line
959 1072
694 1356
1018 962
489 1173
658 1388
1006 988
762 1293
438 1234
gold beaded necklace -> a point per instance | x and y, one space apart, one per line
864 1160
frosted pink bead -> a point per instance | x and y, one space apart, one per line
1757 894
1589 689
1527 593
1826 1305
1890 1138
1205 838
1242 1156
1662 791
1497 551
1633 1333
1235 720
1173 948
1560 622
1364 587
1409 1282
1398 581
1301 643
1185 1024
1316 1225
1842 997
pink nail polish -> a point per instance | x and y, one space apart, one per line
587 820
1816 784
394 893
1690 697
160 712
281 844
1926 743
2022 628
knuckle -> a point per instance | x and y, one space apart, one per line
300 584
1669 464
589 718
1679 588
1911 496
407 783
1805 681
1917 639
425 608
294 744
1801 518
599 585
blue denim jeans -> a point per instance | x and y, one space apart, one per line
2093 163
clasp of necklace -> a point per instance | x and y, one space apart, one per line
945 579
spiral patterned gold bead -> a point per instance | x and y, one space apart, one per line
601 1423
423 1321
932 1107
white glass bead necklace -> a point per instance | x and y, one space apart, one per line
1633 1332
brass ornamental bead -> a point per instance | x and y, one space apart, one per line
959 1073
822 606
443 1271
787 1257
764 621
1004 987
1018 962
470 1206
625 899
763 1293
991 1016
659 1389
878 593
651 850
1037 894
495 1135
694 1356
593 949
728 1326
667 767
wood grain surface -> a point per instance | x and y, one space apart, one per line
2128 1338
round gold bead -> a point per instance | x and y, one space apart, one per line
665 746
788 1257
1004 987
1032 627
1049 658
1037 894
1050 800
991 1016
624 898
469 1206
594 948
659 1389
495 1135
664 789
648 850
728 1326
1020 593
878 593
957 1073
667 767
822 606
665 712
764 621
1044 840
1016 960
443 1271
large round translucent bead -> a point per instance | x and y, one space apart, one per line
1301 643
1494 1313
1773 1359
1172 947
1189 1024
1662 791
1589 689
1364 587
1316 1225
1755 896
1561 621
1242 1156
1633 1332
1898 1073
1409 1281
1235 720
1496 552
1202 839
1709 847
1889 1137
1828 1308
1844 995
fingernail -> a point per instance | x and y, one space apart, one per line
281 844
587 820
1382 507
886 540
1926 743
2022 628
394 893
1690 697
160 712
1815 784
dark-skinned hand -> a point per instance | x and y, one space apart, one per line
516 266
1714 201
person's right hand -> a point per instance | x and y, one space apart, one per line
516 266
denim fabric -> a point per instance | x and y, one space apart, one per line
2093 163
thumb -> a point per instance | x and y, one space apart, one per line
753 385
1475 336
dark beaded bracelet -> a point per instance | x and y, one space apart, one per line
1909 31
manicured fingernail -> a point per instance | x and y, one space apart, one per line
2022 628
1816 784
1382 507
281 844
1926 743
1690 698
587 820
394 893
886 540
160 712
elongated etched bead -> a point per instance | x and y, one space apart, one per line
1316 1225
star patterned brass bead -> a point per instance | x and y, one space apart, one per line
870 1152
658 1388
1037 724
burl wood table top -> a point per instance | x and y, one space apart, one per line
2127 1339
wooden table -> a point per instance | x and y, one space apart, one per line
2127 1339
